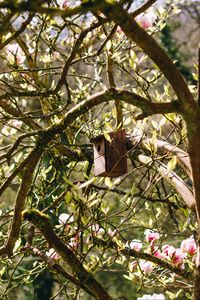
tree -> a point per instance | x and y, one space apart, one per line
68 74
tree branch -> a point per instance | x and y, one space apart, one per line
14 230
18 32
56 267
42 222
143 8
146 256
182 156
17 170
72 55
173 179
149 108
147 43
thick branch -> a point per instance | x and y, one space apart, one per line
17 170
8 108
146 256
56 267
182 156
174 180
42 222
147 43
148 108
33 6
20 203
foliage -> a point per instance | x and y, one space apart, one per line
71 71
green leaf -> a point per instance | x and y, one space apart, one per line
133 55
128 121
108 182
69 182
84 220
68 197
172 163
107 137
87 183
155 124
2 271
128 277
150 222
93 202
17 245
108 45
133 189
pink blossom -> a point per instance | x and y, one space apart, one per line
175 255
136 245
146 20
146 267
168 250
111 232
189 246
15 54
178 258
151 235
97 230
66 219
63 4
74 242
95 227
55 55
119 30
159 254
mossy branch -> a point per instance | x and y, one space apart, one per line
42 222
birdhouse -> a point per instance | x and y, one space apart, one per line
110 155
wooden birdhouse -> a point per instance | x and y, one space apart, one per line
110 156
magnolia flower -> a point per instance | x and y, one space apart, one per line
146 20
119 30
15 54
65 219
151 235
159 254
97 230
63 4
74 242
152 297
168 250
111 232
52 254
136 245
189 246
146 267
178 258
55 55
175 255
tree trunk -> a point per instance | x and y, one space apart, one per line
196 294
193 128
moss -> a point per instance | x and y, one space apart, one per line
36 217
